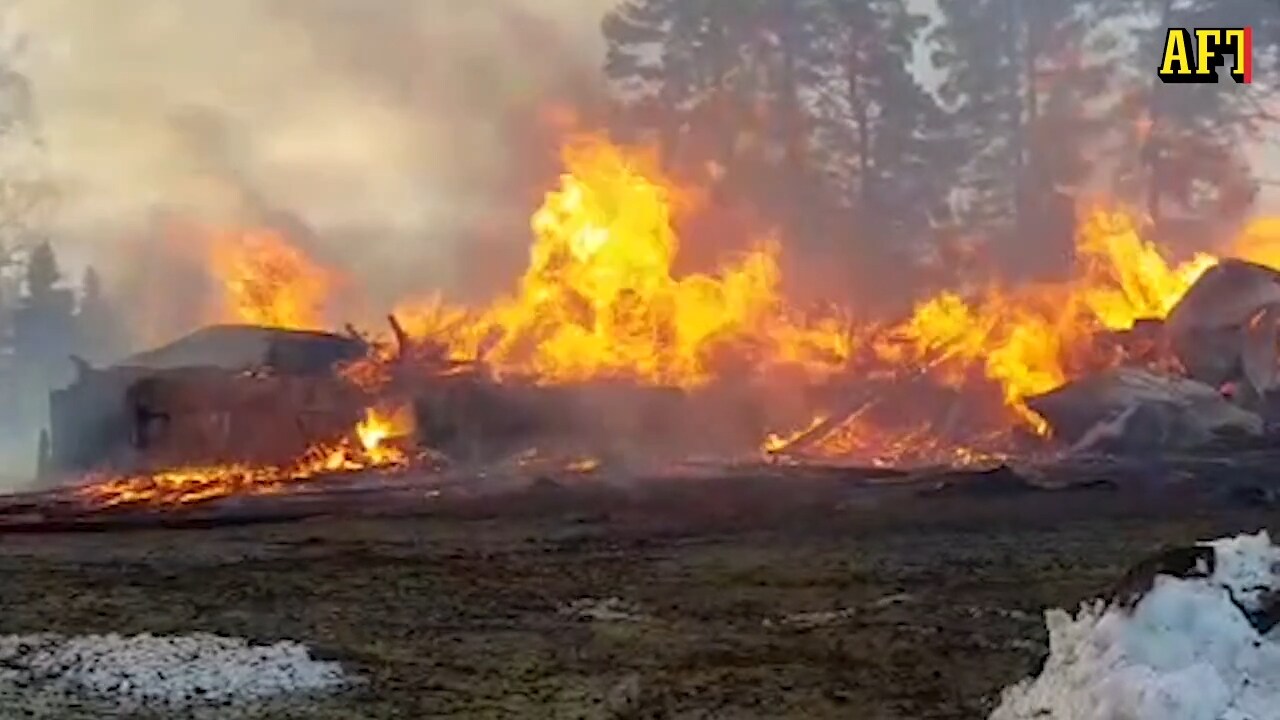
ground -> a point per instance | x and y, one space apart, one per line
764 601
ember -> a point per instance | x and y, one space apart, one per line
181 486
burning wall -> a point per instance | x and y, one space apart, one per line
243 393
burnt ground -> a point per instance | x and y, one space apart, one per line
764 599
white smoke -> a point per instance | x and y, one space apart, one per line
380 125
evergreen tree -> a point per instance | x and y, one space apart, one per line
1025 81
799 107
42 272
99 332
674 61
44 325
637 62
882 131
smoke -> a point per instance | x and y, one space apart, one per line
385 128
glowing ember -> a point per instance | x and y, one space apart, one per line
775 443
855 438
267 281
182 486
583 465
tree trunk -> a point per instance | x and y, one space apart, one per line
862 117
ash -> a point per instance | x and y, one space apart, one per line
147 672
1190 649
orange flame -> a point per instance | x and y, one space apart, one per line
267 281
599 297
377 428
1026 339
188 485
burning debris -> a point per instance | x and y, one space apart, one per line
228 409
604 352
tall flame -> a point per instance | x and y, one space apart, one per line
1026 339
599 297
268 281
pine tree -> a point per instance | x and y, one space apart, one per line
44 327
881 129
674 62
636 62
1024 80
42 272
100 336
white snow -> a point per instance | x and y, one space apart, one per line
162 672
1186 651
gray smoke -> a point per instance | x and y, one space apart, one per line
381 126
384 132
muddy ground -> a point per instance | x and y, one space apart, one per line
730 600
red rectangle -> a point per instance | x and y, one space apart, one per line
1246 59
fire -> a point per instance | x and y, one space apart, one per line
1127 278
1259 242
188 485
1028 340
377 428
583 466
599 298
775 443
267 281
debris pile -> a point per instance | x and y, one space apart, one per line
1189 635
1223 336
147 673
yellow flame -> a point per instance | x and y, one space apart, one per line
377 428
267 281
187 485
600 299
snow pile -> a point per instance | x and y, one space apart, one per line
1200 646
171 672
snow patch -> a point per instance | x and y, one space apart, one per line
143 672
1189 649
611 609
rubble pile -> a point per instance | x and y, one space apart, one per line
1223 335
1189 635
